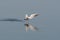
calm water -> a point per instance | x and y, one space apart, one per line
48 22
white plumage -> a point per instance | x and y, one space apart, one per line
31 16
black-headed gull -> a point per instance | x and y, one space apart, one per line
17 20
31 16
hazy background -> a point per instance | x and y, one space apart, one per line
48 22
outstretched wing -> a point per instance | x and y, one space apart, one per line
26 16
33 15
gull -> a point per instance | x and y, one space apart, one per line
27 18
31 16
17 20
29 26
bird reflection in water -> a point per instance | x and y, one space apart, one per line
31 27
28 26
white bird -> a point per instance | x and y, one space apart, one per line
31 16
17 20
29 26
